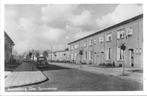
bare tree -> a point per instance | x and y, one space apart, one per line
81 54
45 53
37 54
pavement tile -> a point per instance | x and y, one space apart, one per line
24 75
24 78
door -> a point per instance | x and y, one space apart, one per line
131 57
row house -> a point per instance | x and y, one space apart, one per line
104 46
61 55
8 48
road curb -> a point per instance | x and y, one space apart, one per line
27 84
24 83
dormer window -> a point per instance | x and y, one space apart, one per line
109 37
121 34
76 46
85 43
90 42
72 47
129 31
94 41
101 39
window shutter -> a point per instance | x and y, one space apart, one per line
75 56
86 55
106 38
130 31
122 54
71 56
118 53
107 54
94 41
118 35
89 55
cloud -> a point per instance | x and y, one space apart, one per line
83 19
51 34
26 23
82 34
121 12
29 35
10 17
77 32
56 25
54 12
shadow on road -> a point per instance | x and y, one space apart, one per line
32 66
11 66
51 67
26 66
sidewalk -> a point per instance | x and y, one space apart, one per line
7 73
106 71
24 75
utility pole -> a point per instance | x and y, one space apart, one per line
51 53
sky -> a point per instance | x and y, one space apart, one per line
46 26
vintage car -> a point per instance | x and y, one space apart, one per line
42 61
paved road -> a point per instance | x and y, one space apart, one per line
65 79
26 66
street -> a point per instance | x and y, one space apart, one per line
67 79
73 47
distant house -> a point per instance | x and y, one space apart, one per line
8 48
60 55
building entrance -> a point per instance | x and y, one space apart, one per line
131 57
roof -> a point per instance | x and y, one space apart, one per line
111 27
6 35
60 51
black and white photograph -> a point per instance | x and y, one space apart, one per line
73 47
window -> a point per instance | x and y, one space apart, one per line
85 43
101 39
72 58
76 46
72 47
120 54
109 37
90 42
75 56
85 54
108 54
94 41
121 34
90 55
129 31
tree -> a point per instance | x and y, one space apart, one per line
37 54
80 53
123 47
45 53
66 49
30 54
55 54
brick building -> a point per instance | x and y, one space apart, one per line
104 46
60 55
8 48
